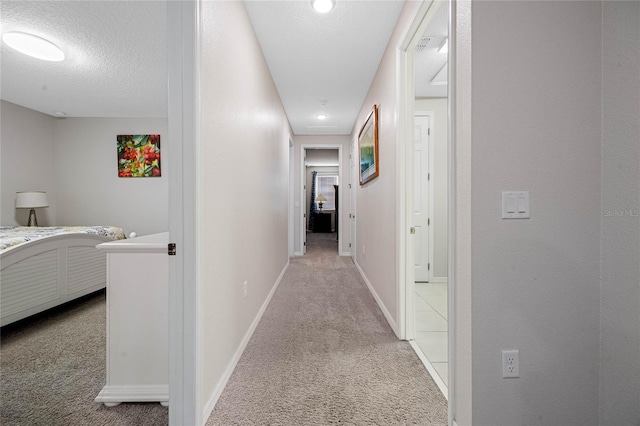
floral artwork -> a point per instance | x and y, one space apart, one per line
138 155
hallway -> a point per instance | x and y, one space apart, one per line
323 353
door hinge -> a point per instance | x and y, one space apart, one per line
171 249
349 185
349 245
428 176
304 215
412 230
429 131
428 266
304 244
428 222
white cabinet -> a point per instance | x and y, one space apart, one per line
137 320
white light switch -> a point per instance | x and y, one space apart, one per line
515 205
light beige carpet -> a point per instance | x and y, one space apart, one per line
324 354
52 367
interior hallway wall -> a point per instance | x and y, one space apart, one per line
439 176
620 246
376 201
90 192
536 126
243 189
27 164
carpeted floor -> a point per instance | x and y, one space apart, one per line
323 353
52 367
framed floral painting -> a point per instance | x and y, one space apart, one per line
138 155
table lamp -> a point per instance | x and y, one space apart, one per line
321 199
31 200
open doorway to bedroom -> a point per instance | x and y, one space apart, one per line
321 178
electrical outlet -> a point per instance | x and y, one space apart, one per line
244 289
510 364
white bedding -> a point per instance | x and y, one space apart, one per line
13 236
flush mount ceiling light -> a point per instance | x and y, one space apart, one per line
34 46
323 6
321 116
444 47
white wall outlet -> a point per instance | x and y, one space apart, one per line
510 364
244 289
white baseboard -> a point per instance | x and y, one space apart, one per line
211 403
111 395
383 308
345 253
298 253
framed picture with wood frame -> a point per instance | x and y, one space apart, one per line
368 147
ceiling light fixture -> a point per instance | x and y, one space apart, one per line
323 6
321 116
444 47
33 45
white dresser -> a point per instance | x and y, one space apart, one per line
137 320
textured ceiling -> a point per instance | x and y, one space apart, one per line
315 57
116 62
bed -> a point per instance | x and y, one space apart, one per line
43 267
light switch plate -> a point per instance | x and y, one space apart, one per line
515 205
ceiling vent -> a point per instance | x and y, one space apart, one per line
422 43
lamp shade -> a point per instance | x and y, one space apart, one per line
321 198
31 200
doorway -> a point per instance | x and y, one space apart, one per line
321 196
425 97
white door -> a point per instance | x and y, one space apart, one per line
421 197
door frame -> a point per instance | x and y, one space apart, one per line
184 124
405 116
303 193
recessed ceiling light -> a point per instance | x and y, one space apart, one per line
34 46
444 47
59 114
321 116
323 6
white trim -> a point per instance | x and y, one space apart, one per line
438 280
111 395
303 198
383 308
210 405
183 20
432 371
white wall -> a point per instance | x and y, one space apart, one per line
86 174
439 176
620 246
345 142
376 201
27 163
75 161
244 176
536 126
